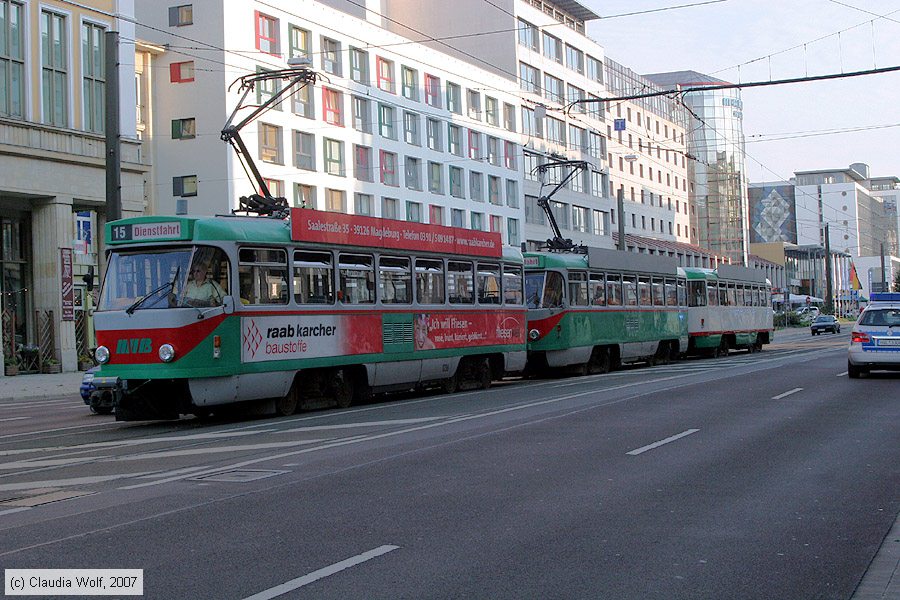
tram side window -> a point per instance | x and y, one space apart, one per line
357 279
488 281
553 290
597 289
748 301
644 291
429 281
697 293
671 293
460 282
512 284
313 278
711 297
395 280
262 275
659 295
723 294
614 294
629 287
578 289
731 298
682 293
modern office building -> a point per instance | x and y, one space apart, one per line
843 198
52 168
716 171
560 75
390 128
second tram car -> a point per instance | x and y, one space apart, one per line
728 308
591 312
324 308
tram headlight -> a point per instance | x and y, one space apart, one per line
534 334
102 354
166 353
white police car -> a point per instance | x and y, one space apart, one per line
875 339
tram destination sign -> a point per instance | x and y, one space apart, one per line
309 225
145 232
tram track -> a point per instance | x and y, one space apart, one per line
63 458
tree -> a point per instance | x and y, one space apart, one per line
897 282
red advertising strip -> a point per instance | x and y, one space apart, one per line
352 230
67 287
435 331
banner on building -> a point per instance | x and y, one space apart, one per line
67 287
854 278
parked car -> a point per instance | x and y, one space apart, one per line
808 311
99 402
875 338
825 323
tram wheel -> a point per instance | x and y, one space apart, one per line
287 404
342 388
599 361
451 384
722 350
484 374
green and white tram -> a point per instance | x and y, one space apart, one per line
320 309
591 312
728 308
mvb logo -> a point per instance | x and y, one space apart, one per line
134 346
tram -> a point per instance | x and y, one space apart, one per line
728 308
592 311
196 314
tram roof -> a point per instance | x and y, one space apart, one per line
608 260
227 228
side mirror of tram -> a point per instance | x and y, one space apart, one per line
228 304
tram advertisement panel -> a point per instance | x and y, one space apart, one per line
308 336
463 329
309 225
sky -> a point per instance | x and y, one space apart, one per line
715 38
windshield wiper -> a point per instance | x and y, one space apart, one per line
139 301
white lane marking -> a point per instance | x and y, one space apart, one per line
136 442
293 584
214 450
363 424
643 449
14 510
15 419
787 393
841 374
28 485
175 472
50 462
42 431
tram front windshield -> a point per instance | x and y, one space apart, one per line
164 278
544 289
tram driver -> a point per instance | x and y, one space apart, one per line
200 289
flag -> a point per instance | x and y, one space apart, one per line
854 279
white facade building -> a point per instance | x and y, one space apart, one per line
842 198
391 128
541 47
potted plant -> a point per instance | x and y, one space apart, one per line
85 362
10 366
52 366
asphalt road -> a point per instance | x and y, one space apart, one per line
765 476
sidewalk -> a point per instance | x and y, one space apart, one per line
23 387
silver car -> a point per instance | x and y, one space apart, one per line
875 339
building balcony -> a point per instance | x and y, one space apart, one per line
35 140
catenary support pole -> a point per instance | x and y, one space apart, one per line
113 154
